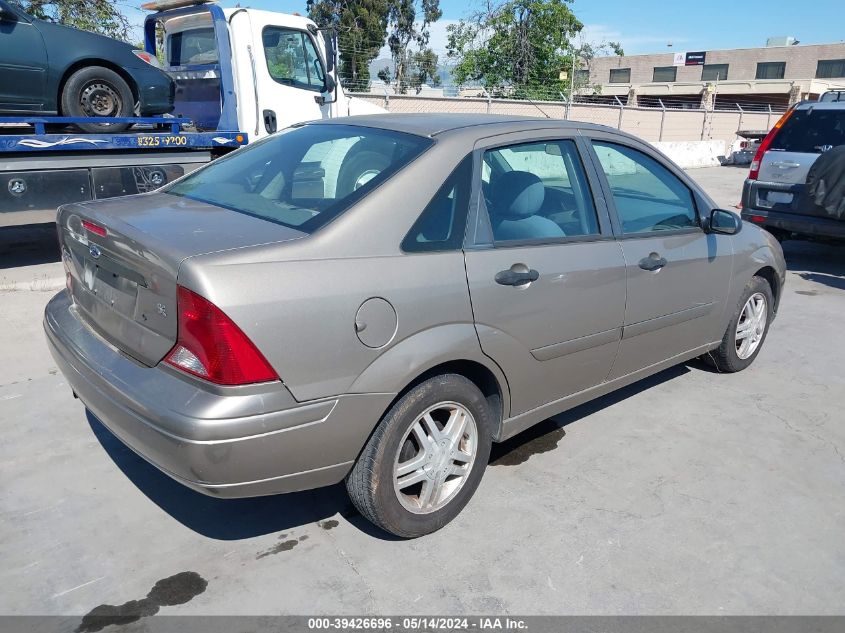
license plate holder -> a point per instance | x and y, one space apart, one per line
779 197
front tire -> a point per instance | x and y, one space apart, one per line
747 330
95 91
425 459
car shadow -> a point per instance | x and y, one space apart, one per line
28 244
822 263
544 436
237 519
229 519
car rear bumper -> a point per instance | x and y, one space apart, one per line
229 442
156 91
799 215
806 225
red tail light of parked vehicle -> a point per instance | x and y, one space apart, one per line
765 144
212 347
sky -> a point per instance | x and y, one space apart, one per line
648 26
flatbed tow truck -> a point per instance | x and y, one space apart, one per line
240 74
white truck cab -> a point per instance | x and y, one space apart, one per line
272 69
239 75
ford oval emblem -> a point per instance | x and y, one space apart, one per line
95 251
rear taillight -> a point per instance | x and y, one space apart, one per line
764 146
96 229
147 57
209 345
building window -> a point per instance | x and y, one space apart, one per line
620 75
829 68
714 72
665 73
582 77
771 70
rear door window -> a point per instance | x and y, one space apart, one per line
537 191
811 131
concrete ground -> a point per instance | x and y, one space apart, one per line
689 493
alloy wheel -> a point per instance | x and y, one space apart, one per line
751 325
435 457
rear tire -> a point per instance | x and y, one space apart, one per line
411 479
95 91
747 329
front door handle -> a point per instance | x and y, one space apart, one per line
512 277
653 262
270 121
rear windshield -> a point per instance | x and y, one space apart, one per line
194 47
303 177
811 131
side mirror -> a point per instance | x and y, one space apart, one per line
724 222
329 39
329 84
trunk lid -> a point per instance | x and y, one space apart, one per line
786 167
124 283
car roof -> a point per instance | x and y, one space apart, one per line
435 124
820 105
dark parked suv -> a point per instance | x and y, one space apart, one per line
796 188
49 69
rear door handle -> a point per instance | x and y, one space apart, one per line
653 262
512 277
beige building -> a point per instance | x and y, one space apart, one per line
777 74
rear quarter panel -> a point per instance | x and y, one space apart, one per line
298 302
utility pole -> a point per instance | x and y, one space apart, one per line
572 76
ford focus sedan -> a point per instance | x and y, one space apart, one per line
377 300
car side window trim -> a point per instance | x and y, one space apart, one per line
479 234
616 222
462 215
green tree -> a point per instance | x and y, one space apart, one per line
99 16
420 69
519 48
361 27
408 24
584 56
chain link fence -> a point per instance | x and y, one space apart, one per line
667 121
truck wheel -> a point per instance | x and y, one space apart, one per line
95 91
425 459
747 330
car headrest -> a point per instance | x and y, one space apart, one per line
517 195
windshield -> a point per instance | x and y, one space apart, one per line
811 131
303 177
